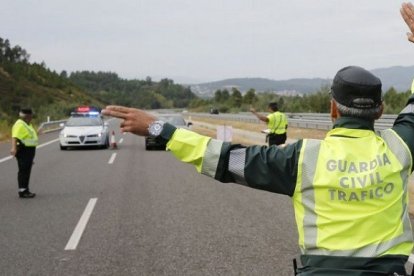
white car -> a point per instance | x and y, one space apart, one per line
83 131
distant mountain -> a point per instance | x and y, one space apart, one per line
398 77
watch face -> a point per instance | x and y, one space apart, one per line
155 128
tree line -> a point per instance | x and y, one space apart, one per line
318 102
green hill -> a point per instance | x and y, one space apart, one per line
53 95
23 84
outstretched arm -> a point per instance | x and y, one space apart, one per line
407 13
259 116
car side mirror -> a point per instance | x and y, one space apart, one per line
61 124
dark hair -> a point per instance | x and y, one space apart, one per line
273 106
369 114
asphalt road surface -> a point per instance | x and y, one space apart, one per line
128 211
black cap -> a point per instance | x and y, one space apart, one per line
26 111
353 83
273 106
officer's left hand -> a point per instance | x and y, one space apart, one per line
134 120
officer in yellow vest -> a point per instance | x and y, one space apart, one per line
276 123
349 190
23 147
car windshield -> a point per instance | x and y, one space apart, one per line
84 121
174 120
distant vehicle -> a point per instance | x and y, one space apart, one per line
84 128
174 119
214 111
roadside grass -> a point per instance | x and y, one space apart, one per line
292 133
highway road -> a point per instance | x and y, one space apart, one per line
128 211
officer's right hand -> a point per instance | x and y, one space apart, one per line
13 152
134 120
407 13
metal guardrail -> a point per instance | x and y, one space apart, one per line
300 120
51 125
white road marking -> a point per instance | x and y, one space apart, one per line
111 160
80 227
47 143
38 147
6 158
121 140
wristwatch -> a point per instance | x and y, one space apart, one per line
155 128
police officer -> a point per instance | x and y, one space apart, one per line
349 190
23 147
276 123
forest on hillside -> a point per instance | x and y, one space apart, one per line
53 95
146 94
25 84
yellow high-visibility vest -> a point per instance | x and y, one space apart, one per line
351 195
412 87
277 122
25 133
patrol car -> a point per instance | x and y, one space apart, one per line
84 128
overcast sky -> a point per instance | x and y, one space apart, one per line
207 40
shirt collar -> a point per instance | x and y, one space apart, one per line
355 123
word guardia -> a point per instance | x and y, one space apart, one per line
361 178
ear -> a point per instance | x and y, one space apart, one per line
381 111
334 111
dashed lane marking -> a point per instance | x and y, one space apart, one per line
80 227
111 160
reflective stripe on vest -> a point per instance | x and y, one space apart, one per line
201 151
278 124
29 139
353 207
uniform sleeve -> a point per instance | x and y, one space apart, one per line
404 125
16 130
272 169
270 119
